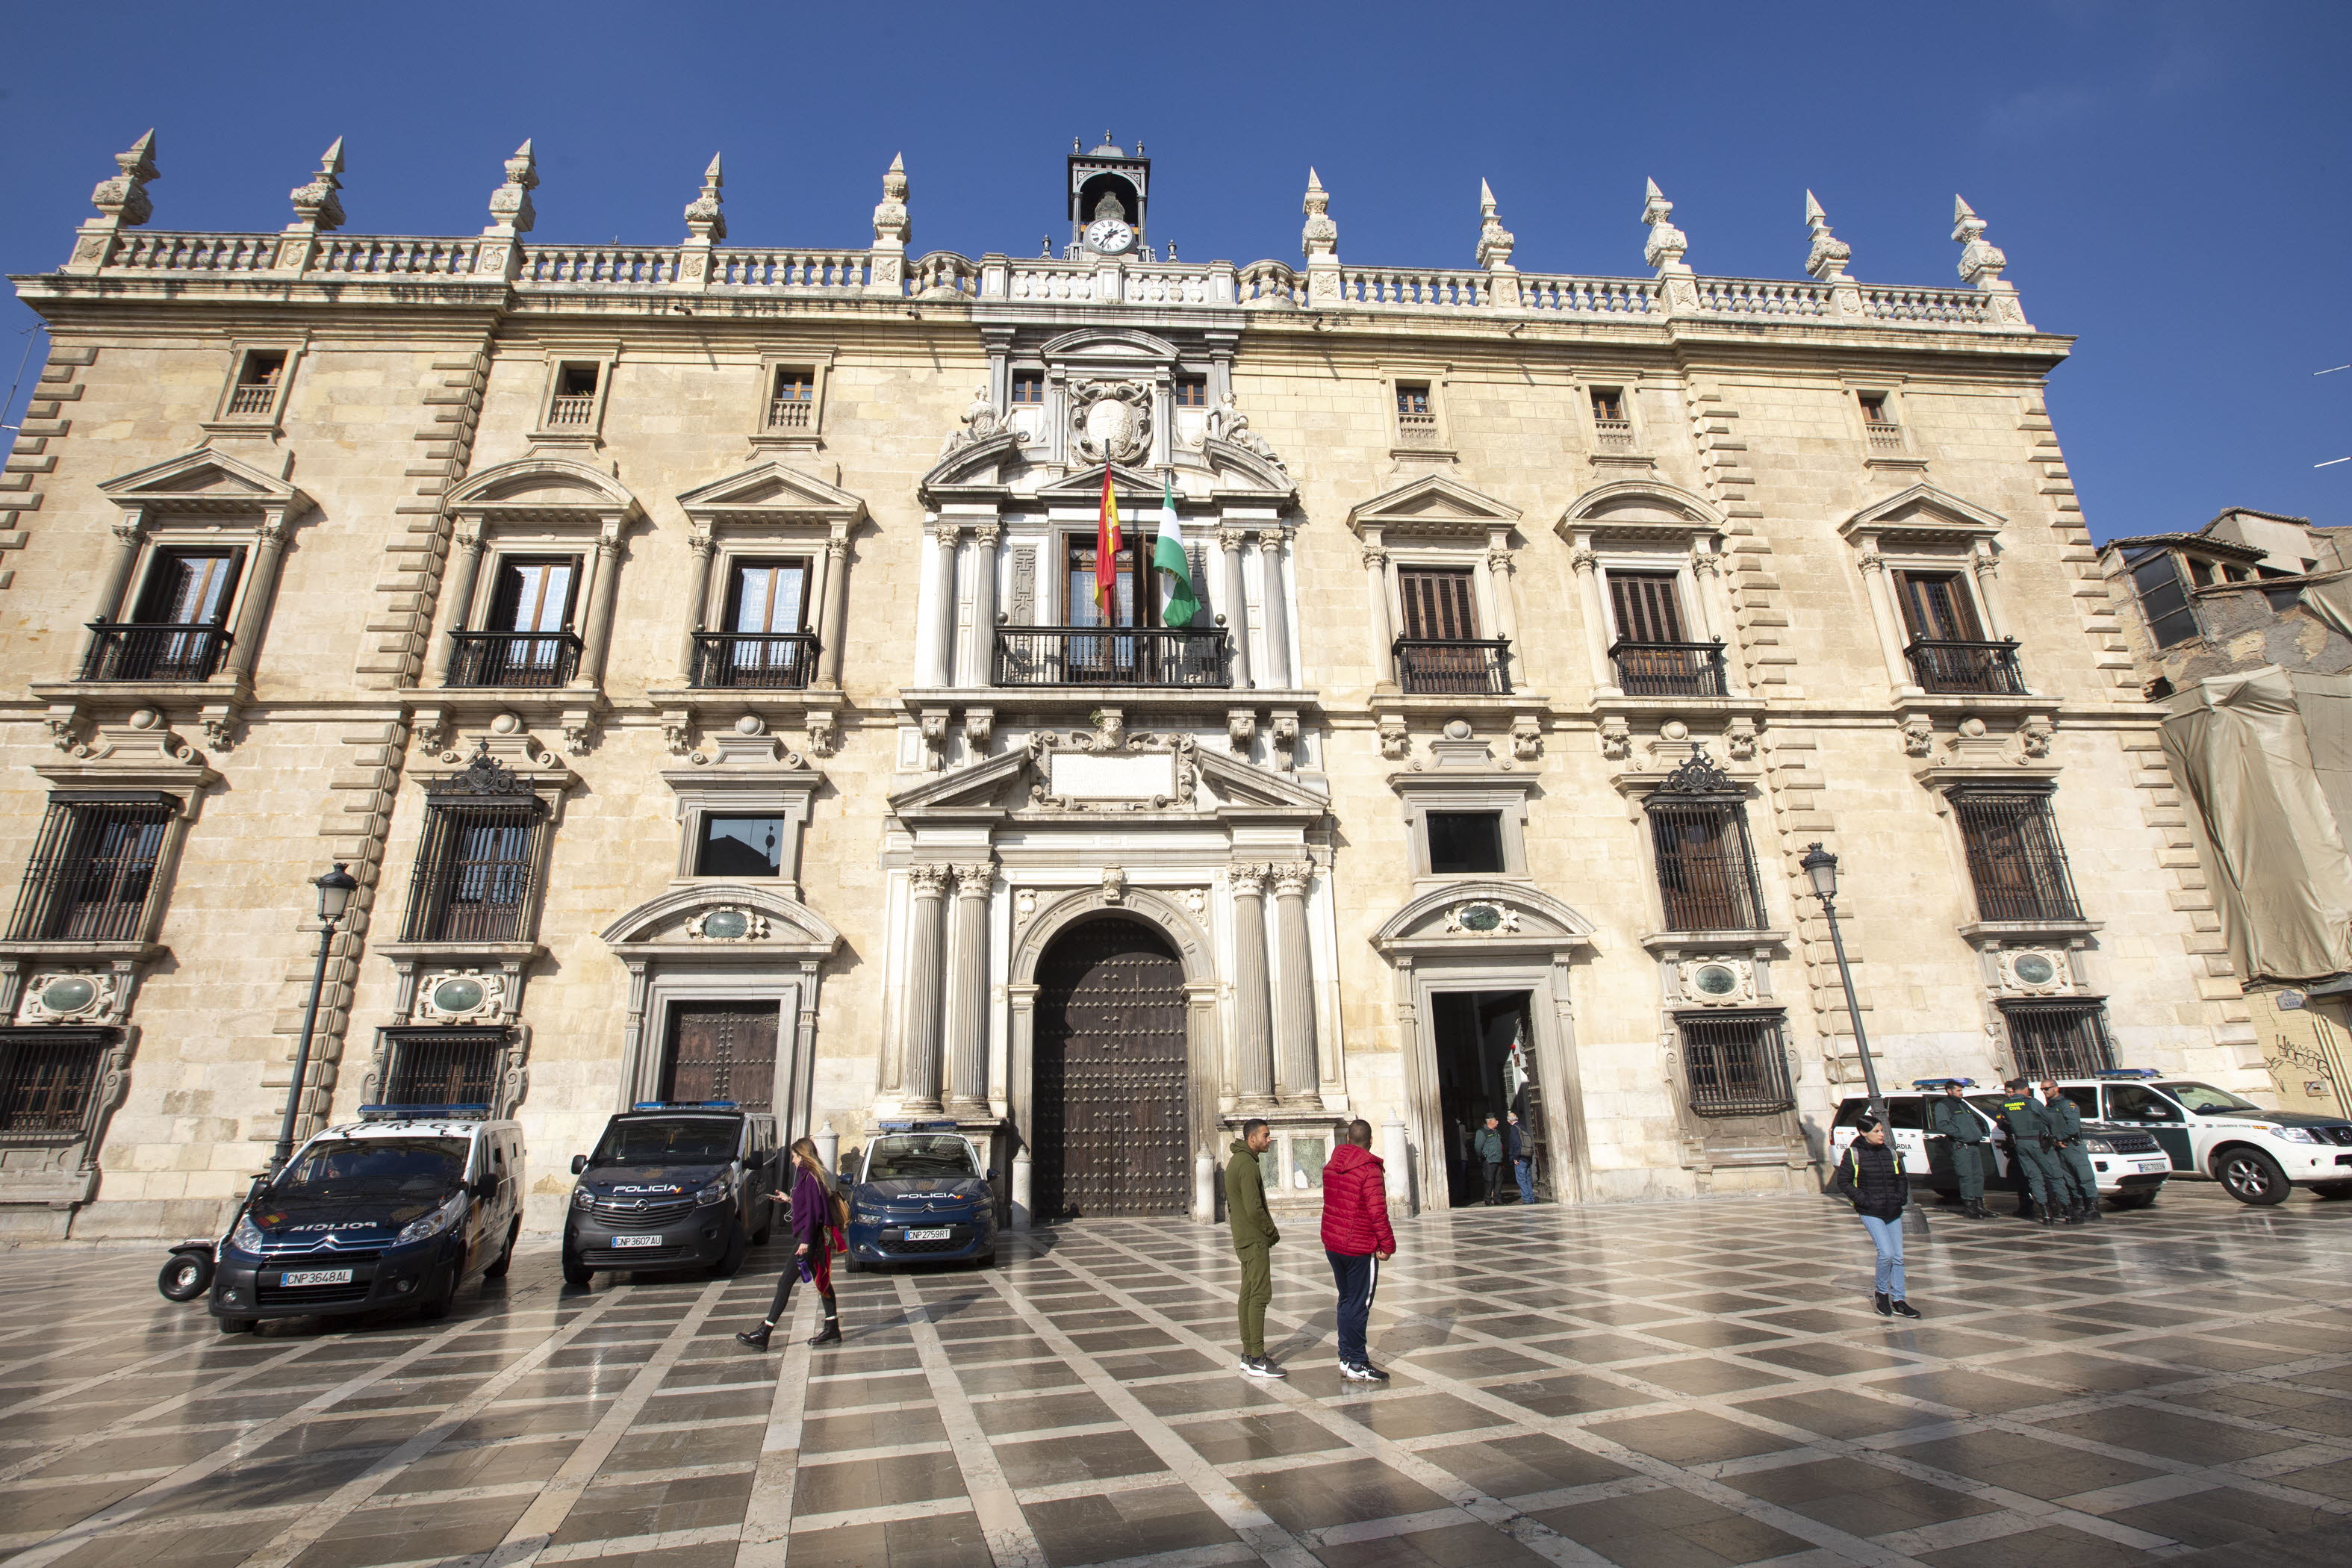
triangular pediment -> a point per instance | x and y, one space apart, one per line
1110 346
982 786
774 492
541 484
771 925
1009 782
1432 504
203 475
1240 782
1473 914
1924 510
1138 489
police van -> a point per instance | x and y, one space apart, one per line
2129 1164
2258 1156
403 1207
673 1184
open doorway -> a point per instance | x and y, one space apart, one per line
1486 1067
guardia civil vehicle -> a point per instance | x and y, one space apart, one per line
2259 1156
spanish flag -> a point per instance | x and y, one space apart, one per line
1107 544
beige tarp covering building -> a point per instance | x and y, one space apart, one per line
2267 760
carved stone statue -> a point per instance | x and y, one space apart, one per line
1229 424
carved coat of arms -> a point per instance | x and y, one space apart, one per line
1111 420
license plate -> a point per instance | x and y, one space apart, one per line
2148 1167
315 1277
619 1241
927 1236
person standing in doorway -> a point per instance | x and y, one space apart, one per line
1488 1145
1952 1118
1358 1240
1870 1177
2072 1160
1255 1237
1523 1158
814 1224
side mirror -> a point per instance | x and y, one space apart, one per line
579 1163
486 1187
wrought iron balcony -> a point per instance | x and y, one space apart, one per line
1112 655
1447 668
514 659
1668 668
155 652
1973 669
760 660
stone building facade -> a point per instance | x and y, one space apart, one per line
695 653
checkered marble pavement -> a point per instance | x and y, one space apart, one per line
1668 1385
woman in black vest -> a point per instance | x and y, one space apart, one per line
1870 1177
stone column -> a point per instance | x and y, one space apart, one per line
1988 570
1294 1011
698 601
1886 617
1586 561
1271 542
1376 575
967 997
1233 599
457 594
1252 1030
260 587
129 533
936 609
979 658
1715 612
919 1073
1498 583
833 624
600 605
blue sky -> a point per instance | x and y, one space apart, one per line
2169 180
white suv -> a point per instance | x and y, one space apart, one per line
2257 1155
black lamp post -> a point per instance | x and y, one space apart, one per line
1821 867
335 890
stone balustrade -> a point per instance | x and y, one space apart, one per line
379 255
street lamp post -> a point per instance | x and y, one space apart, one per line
1821 867
335 890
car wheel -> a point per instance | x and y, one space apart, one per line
185 1276
574 1271
436 1307
236 1325
506 1255
731 1260
2324 1189
2251 1176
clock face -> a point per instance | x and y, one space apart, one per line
1108 236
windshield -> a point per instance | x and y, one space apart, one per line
689 1140
374 1168
897 1159
2205 1098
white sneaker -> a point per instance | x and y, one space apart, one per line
1361 1371
1260 1366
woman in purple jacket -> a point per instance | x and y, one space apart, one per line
812 1230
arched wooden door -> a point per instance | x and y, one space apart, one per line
1112 1134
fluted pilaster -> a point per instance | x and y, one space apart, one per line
1293 992
919 1077
1253 1027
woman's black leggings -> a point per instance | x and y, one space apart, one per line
792 1277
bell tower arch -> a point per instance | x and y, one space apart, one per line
1108 187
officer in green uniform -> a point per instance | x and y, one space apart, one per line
1956 1122
2030 1139
2074 1160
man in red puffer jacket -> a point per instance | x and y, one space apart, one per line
1357 1239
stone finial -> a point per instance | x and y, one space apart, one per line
124 198
1665 250
510 208
316 206
1830 254
891 223
705 224
1318 238
1980 259
1494 241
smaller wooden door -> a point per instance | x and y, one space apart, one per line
722 1050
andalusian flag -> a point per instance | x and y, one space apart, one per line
1106 546
1178 602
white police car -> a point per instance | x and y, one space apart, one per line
2258 1156
2129 1165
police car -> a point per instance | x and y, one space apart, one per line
403 1207
2258 1156
672 1184
2129 1165
920 1194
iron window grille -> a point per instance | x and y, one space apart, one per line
2059 1039
1706 863
443 1066
48 1078
93 874
2015 859
478 868
1734 1064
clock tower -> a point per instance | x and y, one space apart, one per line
1109 193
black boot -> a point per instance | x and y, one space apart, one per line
756 1339
1885 1308
2091 1212
831 1333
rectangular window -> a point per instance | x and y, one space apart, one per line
256 392
444 1067
1873 409
1192 392
2164 600
1938 607
188 587
2059 1039
1707 866
93 869
741 847
792 401
533 593
1438 604
767 596
176 630
474 872
1413 399
1734 1064
1609 405
1133 602
574 403
2014 857
1648 606
1464 843
1028 388
527 641
46 1079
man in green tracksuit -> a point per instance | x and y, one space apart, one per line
1954 1120
2032 1138
1254 1238
2074 1160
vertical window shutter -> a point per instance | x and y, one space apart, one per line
1437 604
1936 607
1648 608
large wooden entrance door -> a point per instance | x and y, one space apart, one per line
722 1050
1113 1135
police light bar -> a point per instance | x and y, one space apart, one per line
424 1113
684 1105
2126 1072
1940 1082
917 1126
